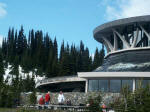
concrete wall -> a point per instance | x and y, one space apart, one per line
78 98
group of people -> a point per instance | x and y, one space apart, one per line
45 100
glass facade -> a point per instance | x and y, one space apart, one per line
98 85
128 83
113 85
103 86
93 85
142 83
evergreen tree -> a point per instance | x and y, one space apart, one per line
102 54
1 68
96 61
41 53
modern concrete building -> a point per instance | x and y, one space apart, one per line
126 63
128 55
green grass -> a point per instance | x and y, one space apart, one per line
25 110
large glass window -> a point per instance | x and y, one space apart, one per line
103 85
142 83
93 85
145 83
127 83
115 85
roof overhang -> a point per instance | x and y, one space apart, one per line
106 28
59 80
114 75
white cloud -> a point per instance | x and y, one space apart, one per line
3 11
1 40
127 8
103 3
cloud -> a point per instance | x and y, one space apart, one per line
126 8
3 11
103 3
1 40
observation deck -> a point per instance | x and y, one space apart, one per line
127 42
123 34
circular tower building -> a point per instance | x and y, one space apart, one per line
127 42
127 61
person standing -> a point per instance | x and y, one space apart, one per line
47 98
61 98
41 101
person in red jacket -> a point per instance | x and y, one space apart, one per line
41 101
47 98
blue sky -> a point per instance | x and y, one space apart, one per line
68 20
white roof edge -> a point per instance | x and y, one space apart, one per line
69 79
128 49
112 74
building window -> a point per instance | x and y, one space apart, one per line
115 86
93 85
127 83
142 83
103 86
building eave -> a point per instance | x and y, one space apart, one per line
114 74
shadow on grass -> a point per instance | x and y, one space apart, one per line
26 110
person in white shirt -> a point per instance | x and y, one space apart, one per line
61 98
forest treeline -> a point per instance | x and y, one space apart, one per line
38 51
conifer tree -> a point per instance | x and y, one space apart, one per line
96 59
41 53
1 68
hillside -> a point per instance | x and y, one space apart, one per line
8 76
39 52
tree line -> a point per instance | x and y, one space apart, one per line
10 92
39 53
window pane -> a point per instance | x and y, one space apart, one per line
115 85
103 85
143 83
128 83
93 85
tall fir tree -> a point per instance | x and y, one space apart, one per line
1 67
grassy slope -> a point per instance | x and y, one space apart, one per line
24 110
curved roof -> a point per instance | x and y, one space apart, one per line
107 27
59 80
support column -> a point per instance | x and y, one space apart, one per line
134 85
135 38
146 33
86 86
108 50
125 43
115 42
108 44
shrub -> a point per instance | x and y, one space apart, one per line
33 98
94 104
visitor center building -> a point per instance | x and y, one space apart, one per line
126 63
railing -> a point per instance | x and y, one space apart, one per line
63 107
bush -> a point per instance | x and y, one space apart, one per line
33 98
138 101
94 104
